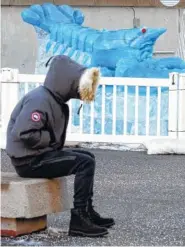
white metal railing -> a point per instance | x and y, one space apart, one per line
11 79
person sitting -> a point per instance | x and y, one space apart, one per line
37 132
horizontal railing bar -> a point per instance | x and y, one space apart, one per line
123 139
119 81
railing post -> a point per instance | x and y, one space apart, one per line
173 105
181 112
9 98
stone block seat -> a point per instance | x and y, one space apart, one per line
25 203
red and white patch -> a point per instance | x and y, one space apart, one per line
35 116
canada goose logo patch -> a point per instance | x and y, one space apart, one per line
35 116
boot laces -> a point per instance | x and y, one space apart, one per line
94 213
86 218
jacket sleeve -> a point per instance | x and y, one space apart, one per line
30 126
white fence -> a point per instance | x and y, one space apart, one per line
11 79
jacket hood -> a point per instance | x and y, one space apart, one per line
67 80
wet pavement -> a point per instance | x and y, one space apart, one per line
145 194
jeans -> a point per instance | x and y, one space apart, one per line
64 163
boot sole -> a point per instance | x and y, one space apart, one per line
83 234
108 225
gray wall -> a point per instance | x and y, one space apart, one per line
19 43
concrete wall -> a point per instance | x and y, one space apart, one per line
19 43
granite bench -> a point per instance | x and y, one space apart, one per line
25 203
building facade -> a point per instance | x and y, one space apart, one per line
19 41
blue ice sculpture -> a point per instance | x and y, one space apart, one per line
118 53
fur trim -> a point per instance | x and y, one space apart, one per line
88 84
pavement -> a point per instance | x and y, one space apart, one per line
145 195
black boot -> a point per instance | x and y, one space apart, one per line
81 225
98 220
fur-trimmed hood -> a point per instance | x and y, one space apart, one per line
67 80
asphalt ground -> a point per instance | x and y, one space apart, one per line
144 194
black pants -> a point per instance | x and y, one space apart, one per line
64 163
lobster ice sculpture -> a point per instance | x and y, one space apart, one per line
124 52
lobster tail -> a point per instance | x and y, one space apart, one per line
46 15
